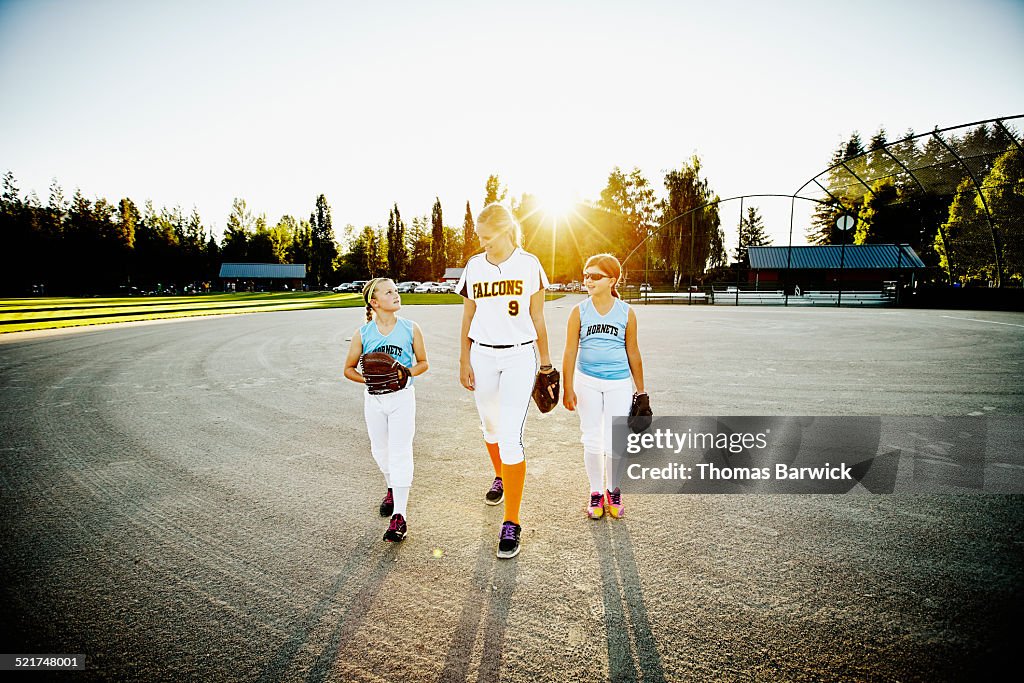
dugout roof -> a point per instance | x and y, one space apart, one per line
256 271
828 257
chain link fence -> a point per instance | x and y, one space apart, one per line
954 197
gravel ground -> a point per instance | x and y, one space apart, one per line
195 500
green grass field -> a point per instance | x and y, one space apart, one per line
45 313
20 315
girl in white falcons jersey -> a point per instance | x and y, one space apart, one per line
390 418
503 333
602 331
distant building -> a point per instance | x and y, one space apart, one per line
867 267
262 277
452 275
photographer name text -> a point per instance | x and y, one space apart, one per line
706 471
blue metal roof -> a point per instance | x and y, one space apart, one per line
281 271
854 257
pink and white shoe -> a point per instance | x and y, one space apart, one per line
614 504
596 508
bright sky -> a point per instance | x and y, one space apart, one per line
195 103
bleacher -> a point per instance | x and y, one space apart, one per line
852 298
809 298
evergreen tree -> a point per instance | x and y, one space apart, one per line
392 247
375 249
300 250
751 234
261 244
127 218
237 233
398 251
453 247
437 250
967 253
324 248
887 216
879 164
191 237
57 209
362 252
470 242
419 257
844 194
493 191
18 240
211 262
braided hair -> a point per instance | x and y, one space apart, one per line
368 291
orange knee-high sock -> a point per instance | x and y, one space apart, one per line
513 478
492 450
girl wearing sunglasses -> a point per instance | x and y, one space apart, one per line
601 343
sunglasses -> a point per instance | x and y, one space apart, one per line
595 276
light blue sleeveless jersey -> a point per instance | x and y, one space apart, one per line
398 344
603 341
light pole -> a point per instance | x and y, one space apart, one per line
844 223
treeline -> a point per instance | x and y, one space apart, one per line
966 222
82 246
957 200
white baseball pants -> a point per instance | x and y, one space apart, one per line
504 387
391 424
597 402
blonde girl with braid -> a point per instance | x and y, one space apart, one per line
390 418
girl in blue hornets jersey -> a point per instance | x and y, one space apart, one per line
601 366
390 418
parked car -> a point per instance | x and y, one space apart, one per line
556 287
341 287
424 288
646 287
406 287
446 287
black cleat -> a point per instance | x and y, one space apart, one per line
508 543
387 506
496 494
396 530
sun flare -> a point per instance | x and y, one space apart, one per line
558 204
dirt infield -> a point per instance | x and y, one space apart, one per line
195 501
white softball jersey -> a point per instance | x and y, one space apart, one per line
502 295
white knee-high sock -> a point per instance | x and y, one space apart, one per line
594 462
401 494
610 473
